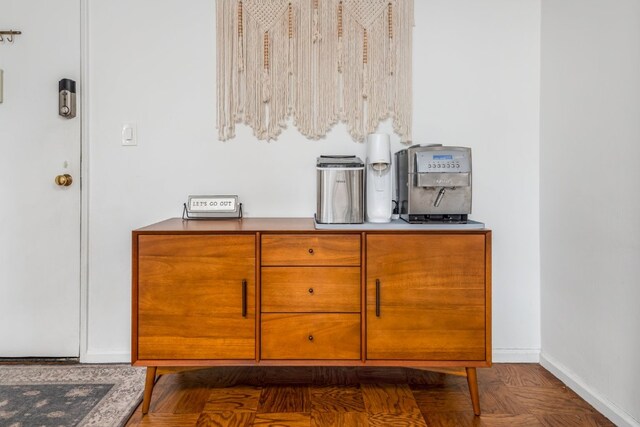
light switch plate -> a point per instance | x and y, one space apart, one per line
129 134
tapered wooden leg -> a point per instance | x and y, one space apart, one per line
148 388
472 380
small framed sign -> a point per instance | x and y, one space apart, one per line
211 207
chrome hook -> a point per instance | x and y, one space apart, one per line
10 36
1 38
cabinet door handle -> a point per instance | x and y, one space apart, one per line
244 298
377 297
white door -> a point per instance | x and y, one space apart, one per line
39 220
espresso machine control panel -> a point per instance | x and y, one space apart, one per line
443 161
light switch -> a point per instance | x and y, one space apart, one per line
129 134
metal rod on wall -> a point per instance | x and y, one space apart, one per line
9 34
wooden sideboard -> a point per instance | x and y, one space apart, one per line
277 291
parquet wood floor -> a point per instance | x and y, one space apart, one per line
510 395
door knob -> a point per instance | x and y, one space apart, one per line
64 180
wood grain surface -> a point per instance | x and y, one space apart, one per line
178 225
432 303
310 336
310 289
354 397
416 298
285 398
237 399
332 398
311 249
190 297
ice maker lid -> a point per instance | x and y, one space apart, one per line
339 162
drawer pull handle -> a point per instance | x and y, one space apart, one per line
377 297
244 298
310 290
311 251
310 337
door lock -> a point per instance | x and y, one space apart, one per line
67 98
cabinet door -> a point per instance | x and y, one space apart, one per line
431 297
196 297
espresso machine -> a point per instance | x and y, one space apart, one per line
434 184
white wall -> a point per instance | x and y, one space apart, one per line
590 200
476 68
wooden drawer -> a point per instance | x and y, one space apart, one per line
311 336
310 289
311 249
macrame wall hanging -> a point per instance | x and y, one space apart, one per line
316 61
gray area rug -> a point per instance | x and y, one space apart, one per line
76 395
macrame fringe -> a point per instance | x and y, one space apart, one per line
290 34
240 37
365 67
315 61
391 54
316 32
266 81
266 86
340 53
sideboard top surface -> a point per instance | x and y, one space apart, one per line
252 225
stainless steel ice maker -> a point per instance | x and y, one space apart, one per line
340 190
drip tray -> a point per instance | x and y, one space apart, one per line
438 219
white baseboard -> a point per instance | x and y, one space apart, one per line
516 355
617 415
105 357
